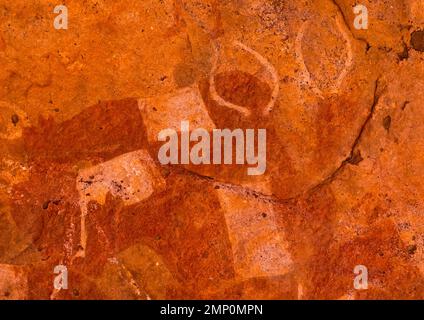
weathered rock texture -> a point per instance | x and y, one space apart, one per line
80 181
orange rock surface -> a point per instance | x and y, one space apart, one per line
80 181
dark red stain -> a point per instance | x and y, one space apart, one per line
100 133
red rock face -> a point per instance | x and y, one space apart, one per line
82 186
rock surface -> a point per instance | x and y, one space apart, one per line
81 185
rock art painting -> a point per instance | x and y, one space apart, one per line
186 149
